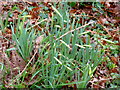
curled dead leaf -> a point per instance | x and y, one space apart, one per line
114 70
103 20
114 60
39 39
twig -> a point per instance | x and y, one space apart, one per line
38 23
74 30
27 64
25 67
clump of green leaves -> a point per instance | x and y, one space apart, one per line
24 39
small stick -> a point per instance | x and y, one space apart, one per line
74 30
27 64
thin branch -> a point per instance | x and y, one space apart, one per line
74 30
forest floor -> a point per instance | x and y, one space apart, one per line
59 45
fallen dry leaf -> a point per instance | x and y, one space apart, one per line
114 60
114 70
39 39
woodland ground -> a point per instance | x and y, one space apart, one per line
59 45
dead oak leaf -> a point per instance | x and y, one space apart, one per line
114 60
